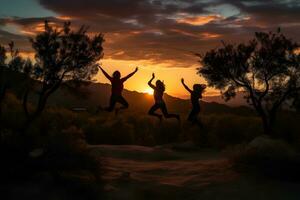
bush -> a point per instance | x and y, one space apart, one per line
271 157
63 165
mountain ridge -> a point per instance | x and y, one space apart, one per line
91 95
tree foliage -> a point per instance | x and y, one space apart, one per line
61 54
267 69
10 60
2 83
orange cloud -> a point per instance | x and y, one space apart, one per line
40 27
64 17
207 35
27 32
27 54
184 32
199 20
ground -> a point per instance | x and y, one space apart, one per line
183 172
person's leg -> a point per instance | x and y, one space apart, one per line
199 122
193 116
164 110
112 103
123 102
152 111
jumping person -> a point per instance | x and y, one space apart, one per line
116 89
196 94
159 89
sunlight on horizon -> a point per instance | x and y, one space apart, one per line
149 91
170 75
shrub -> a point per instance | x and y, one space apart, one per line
271 157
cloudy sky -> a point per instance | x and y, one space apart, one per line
160 36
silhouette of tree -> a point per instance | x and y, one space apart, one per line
2 56
15 63
61 55
2 77
267 69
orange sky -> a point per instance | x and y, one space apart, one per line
158 36
171 76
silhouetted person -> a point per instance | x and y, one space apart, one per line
116 89
159 89
196 94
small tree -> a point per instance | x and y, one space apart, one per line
61 55
15 63
267 69
2 77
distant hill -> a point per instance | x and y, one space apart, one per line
237 101
91 95
98 94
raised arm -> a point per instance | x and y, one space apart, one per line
150 82
185 86
130 75
105 73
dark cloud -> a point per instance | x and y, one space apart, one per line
20 41
170 30
270 12
116 8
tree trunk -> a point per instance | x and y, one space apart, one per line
272 120
28 141
32 117
43 97
266 125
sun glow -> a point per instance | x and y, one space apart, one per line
148 91
198 20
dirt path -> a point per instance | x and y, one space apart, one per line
135 172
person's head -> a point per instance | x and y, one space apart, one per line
160 85
116 75
199 88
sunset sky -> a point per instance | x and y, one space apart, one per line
159 36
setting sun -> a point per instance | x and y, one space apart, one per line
148 91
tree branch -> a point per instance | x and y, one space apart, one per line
56 85
266 89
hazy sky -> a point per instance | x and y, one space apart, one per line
160 36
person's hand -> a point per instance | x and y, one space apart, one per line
182 80
153 75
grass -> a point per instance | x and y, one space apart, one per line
65 136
